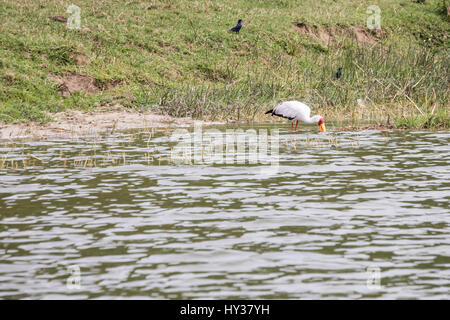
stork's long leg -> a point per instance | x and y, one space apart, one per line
292 126
296 125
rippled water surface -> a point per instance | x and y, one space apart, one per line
342 209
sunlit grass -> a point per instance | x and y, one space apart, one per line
440 120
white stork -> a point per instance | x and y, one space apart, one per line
297 111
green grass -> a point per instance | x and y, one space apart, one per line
176 57
426 121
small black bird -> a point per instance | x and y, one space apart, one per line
339 73
238 27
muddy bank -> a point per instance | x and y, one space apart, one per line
74 123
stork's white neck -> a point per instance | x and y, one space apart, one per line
314 119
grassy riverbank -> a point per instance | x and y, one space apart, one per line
176 57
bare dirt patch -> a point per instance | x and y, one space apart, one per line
362 35
173 74
80 58
331 34
313 31
76 123
70 83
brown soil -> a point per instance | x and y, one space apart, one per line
80 58
70 83
314 32
362 35
330 34
75 123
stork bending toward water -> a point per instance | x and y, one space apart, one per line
297 111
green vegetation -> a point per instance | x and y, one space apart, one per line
426 121
176 57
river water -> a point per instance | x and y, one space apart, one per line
342 215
